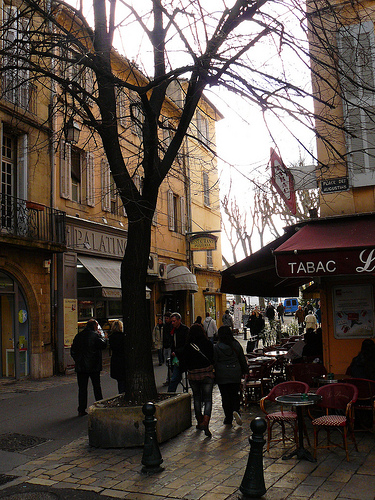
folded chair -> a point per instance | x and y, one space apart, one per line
337 402
282 417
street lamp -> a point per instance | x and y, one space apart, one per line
72 131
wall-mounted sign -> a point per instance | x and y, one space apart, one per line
70 321
327 263
203 242
334 185
353 309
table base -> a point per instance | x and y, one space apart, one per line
301 454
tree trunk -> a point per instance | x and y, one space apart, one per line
140 380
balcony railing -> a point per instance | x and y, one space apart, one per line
27 219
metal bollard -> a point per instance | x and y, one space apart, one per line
252 485
244 333
151 458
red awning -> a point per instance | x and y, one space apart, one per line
336 246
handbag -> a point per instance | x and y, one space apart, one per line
201 373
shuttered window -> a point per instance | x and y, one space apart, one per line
106 185
356 44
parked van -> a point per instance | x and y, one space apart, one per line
291 306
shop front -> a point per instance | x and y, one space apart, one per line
337 256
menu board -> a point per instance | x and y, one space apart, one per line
353 311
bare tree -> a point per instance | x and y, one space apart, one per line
217 44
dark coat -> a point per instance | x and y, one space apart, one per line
227 362
117 345
194 359
179 338
86 351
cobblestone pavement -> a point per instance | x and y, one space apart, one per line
195 467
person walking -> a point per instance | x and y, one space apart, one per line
280 312
167 344
179 335
157 339
197 356
300 317
230 364
116 340
311 321
227 319
210 327
86 350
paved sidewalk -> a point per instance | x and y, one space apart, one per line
195 467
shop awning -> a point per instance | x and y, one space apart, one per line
108 273
256 275
329 247
179 278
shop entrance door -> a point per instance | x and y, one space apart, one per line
14 360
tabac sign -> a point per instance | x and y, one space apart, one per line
326 263
203 241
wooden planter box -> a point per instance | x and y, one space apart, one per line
122 427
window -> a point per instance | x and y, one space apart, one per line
121 107
210 262
16 87
76 174
206 189
137 115
106 185
356 44
13 174
176 213
202 128
74 185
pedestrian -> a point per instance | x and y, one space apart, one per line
318 315
116 340
197 356
86 350
280 312
179 335
300 317
308 308
311 321
157 339
210 327
167 344
363 365
227 319
198 321
230 365
270 312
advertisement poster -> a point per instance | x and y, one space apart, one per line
70 321
353 310
237 315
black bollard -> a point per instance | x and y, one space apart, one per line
151 458
252 485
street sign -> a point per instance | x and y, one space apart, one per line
334 185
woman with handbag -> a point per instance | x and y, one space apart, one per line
197 356
230 364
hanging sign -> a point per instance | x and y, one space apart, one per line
203 242
283 181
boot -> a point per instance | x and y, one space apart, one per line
205 422
199 422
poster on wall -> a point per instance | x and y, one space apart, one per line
353 310
70 321
237 315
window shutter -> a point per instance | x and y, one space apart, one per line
90 190
183 215
121 107
170 210
206 189
356 45
22 167
106 186
65 171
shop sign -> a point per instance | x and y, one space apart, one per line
353 310
329 263
86 240
203 242
334 185
113 293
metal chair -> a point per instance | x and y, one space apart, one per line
306 372
337 401
365 404
282 417
257 382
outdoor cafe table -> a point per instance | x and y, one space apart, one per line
276 354
299 401
325 379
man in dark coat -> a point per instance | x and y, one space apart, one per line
179 335
86 351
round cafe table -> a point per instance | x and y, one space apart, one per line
275 354
299 401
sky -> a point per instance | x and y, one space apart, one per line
243 139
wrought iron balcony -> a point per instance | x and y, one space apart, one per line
29 220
